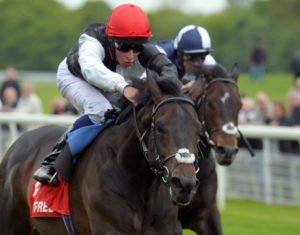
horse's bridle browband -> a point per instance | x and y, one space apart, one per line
161 170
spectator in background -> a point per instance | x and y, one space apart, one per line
264 108
258 61
295 65
297 85
9 99
288 147
280 118
10 81
29 103
58 106
294 103
248 115
62 106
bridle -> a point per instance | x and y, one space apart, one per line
228 128
183 157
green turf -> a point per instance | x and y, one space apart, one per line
242 217
276 86
47 92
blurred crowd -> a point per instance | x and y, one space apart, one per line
262 111
20 97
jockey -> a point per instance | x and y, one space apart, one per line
94 73
192 44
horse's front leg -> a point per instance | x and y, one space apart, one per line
210 224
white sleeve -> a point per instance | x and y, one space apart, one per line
91 55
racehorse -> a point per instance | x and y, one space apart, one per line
218 105
130 180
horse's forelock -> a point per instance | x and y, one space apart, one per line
139 83
219 71
170 86
167 85
210 71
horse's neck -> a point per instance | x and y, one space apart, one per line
130 156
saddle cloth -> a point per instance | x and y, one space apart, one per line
49 201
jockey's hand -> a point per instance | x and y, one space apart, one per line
187 87
131 93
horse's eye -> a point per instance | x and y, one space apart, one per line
210 104
159 129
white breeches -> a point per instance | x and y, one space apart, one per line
84 97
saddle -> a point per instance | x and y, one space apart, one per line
67 159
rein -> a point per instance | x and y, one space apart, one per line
161 170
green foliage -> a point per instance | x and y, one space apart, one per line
37 34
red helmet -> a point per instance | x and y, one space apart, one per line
128 21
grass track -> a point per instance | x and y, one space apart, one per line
242 217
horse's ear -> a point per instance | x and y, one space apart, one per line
196 90
152 86
235 72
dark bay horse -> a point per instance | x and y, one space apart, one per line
218 105
130 180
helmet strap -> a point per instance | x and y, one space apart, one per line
112 49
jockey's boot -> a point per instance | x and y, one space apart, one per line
47 174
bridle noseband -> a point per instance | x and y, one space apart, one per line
160 170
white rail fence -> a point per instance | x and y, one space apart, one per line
271 177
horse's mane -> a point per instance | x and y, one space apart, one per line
168 85
218 70
210 71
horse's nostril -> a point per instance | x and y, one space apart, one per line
227 150
185 184
221 150
175 182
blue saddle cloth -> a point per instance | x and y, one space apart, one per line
79 139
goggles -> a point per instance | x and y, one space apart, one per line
195 58
126 47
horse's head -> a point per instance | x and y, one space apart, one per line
169 131
218 104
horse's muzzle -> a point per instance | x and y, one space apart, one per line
225 154
183 189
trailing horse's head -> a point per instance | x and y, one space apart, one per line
218 105
170 128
